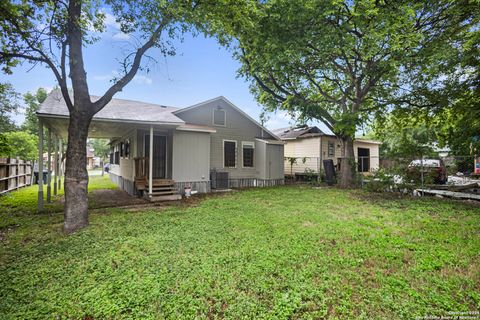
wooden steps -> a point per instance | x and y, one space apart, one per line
163 190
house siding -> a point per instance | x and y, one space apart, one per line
191 156
374 153
237 128
309 157
123 174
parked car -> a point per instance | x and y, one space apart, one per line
434 171
107 167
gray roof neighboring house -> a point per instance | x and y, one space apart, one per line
302 132
298 132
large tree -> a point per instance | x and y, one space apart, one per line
55 33
32 102
8 106
339 62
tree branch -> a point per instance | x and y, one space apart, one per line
122 82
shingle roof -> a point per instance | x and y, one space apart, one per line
298 132
115 110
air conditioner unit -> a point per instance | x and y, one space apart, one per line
219 180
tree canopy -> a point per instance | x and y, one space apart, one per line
20 144
32 101
55 33
8 106
342 62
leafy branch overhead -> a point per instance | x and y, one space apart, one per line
340 62
54 34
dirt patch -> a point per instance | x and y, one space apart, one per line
112 198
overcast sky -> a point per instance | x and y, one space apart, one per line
200 70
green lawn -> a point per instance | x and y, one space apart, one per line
272 253
25 199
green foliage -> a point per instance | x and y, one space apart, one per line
33 101
21 144
4 146
402 138
254 254
101 147
341 62
8 106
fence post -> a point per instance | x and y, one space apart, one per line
40 165
361 167
60 167
49 166
55 159
421 175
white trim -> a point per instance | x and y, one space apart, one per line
223 153
218 108
196 130
271 141
251 144
166 149
231 105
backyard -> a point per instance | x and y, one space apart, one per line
273 253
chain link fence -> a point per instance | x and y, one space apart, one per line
407 174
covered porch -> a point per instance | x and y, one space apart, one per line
154 153
131 166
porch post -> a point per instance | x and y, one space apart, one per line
40 166
49 166
150 163
55 152
60 148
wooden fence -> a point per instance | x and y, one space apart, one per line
14 174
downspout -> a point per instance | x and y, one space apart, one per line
320 160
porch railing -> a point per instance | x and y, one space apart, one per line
141 172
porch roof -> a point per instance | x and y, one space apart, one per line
113 120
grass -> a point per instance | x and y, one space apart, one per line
271 253
25 199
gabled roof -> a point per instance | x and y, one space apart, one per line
298 132
222 98
302 132
118 110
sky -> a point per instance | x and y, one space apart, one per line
200 70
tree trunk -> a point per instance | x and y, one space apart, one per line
347 164
76 175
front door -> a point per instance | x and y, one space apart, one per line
363 159
159 155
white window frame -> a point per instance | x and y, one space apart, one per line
252 144
328 149
223 153
224 117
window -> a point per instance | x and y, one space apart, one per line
127 148
219 117
229 154
331 149
116 155
247 153
111 157
122 149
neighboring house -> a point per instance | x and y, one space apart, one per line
213 144
306 148
90 157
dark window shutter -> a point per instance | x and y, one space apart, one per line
229 154
248 156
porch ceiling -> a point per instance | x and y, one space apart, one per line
101 128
